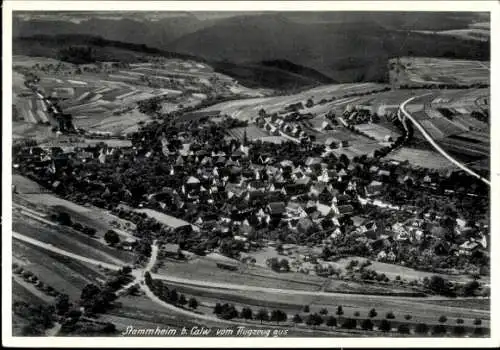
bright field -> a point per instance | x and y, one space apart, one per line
424 70
421 158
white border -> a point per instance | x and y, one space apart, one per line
9 5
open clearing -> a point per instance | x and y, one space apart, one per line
426 70
392 270
421 158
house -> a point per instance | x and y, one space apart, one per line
468 247
323 209
383 175
327 176
294 209
256 185
192 183
374 188
342 210
171 250
276 209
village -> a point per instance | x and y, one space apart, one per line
297 202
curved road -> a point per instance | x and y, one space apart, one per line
434 144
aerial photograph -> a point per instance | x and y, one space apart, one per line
250 174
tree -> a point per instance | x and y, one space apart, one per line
306 308
372 313
480 331
62 304
284 265
350 323
193 303
64 219
459 330
89 291
246 313
309 103
134 290
340 311
384 326
278 316
262 315
323 311
331 321
367 325
404 329
356 314
314 320
217 308
390 315
422 328
460 321
439 329
173 296
182 300
111 237
229 312
297 319
477 322
407 317
443 319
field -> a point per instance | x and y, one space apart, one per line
294 303
65 275
377 131
248 109
70 240
165 219
253 133
426 70
421 158
105 99
89 215
206 270
392 271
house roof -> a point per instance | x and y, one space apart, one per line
192 180
276 208
171 248
313 160
303 180
345 209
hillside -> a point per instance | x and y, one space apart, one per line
134 30
342 51
278 74
52 46
301 49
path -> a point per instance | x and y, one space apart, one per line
51 248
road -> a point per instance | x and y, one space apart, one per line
435 145
139 275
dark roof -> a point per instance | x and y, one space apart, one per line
344 209
276 208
